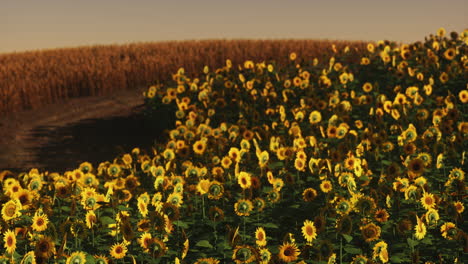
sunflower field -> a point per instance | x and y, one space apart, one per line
333 160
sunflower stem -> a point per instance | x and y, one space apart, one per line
341 249
203 206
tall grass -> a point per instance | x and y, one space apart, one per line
33 79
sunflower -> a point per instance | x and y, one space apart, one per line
76 257
259 204
215 191
300 164
145 241
45 247
367 87
273 196
459 207
443 77
359 259
25 198
428 201
278 184
457 173
450 53
118 250
244 180
309 194
315 117
243 254
99 259
29 258
381 215
170 211
114 170
326 186
343 207
288 252
380 251
463 95
175 199
415 167
243 207
10 241
260 237
363 204
91 219
419 228
216 214
309 231
203 186
207 261
226 162
265 256
370 232
365 61
332 131
131 182
199 147
40 222
432 216
142 207
448 230
78 229
11 209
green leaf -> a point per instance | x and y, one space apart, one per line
270 225
204 243
123 208
353 250
426 241
396 259
90 259
386 162
275 165
181 224
347 237
412 242
106 220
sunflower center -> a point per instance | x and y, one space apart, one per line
40 222
10 211
428 200
9 241
118 250
288 252
44 246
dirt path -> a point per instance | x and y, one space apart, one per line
37 138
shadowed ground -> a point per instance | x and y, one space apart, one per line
59 137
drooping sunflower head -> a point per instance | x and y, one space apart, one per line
244 254
243 207
77 257
216 190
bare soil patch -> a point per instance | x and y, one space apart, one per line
61 136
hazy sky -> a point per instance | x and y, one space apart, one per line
44 24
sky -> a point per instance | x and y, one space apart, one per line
48 24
